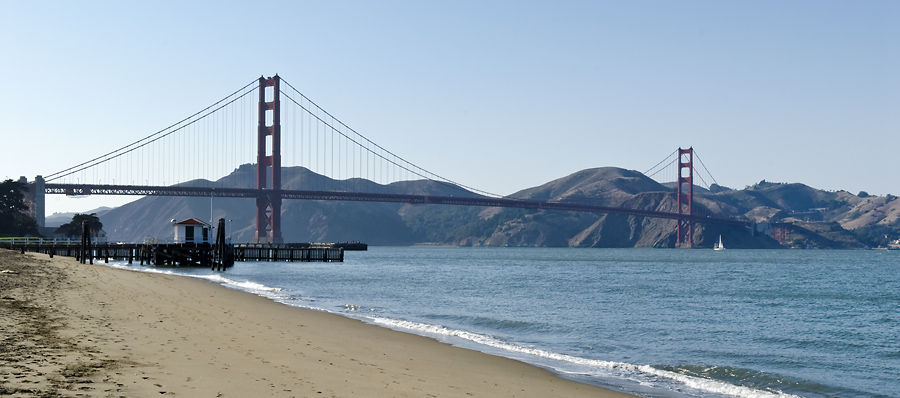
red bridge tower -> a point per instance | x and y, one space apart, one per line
685 227
268 164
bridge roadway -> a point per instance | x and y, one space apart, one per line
93 189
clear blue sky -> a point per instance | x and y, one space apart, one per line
500 95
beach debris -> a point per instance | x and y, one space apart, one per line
8 271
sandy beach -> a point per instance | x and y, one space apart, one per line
70 329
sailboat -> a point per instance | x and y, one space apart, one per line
719 246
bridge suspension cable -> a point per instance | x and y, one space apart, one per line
666 171
660 167
715 188
215 142
166 132
210 154
368 146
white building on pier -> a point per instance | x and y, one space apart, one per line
192 230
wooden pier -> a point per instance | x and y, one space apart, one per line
287 253
181 254
218 256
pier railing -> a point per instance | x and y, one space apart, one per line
20 241
174 254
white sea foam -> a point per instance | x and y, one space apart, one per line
242 285
252 287
642 374
713 385
153 270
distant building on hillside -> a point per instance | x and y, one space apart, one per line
191 230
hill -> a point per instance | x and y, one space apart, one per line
807 217
822 219
56 219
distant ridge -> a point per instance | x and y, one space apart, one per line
815 218
56 219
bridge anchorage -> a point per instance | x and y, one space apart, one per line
359 169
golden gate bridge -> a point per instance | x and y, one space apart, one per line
185 159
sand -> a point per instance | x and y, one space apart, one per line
70 329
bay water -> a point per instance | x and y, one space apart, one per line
651 322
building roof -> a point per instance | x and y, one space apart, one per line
192 221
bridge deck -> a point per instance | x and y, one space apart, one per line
94 189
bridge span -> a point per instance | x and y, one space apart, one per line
139 190
210 143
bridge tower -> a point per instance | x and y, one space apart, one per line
268 163
685 227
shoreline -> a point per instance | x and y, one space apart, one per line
77 329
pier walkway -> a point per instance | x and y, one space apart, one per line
179 254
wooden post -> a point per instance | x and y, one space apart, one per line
83 242
218 262
86 229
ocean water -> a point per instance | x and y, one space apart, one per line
652 322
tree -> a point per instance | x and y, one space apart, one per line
13 220
73 228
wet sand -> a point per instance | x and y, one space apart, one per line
70 329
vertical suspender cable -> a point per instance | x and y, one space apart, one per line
331 134
293 134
